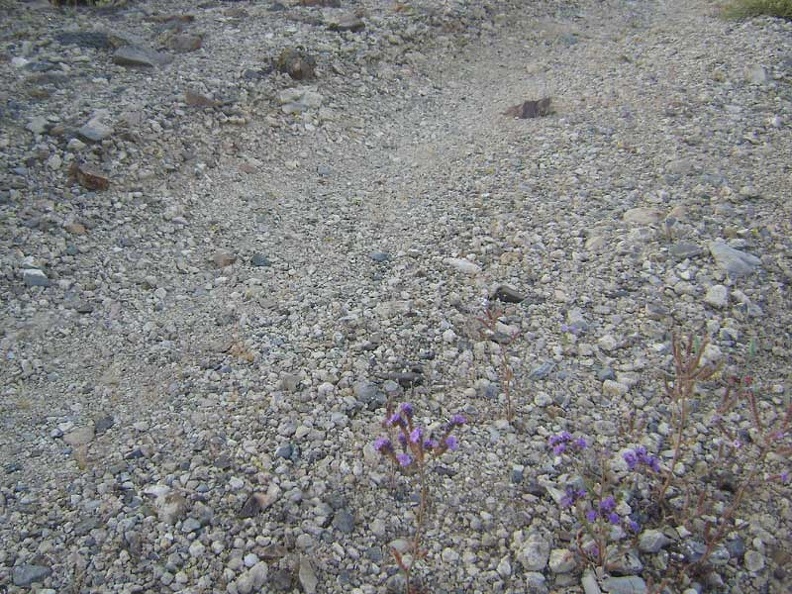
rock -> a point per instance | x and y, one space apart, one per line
135 56
344 521
307 576
562 561
95 130
38 125
614 388
589 583
463 265
379 256
630 584
682 250
535 583
534 553
652 541
717 296
79 437
756 74
25 575
754 561
643 216
260 260
504 567
733 261
33 277
102 424
345 22
297 63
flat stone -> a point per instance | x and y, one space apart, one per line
223 258
95 130
463 265
642 216
754 561
79 437
260 260
307 576
653 541
37 125
25 575
534 553
33 277
717 296
135 56
346 22
682 250
344 521
631 584
733 261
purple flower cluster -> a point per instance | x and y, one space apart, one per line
572 496
606 510
414 441
639 457
564 440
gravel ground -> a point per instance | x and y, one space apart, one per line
215 275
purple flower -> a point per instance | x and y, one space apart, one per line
407 410
581 443
416 436
383 445
633 526
394 420
458 420
784 477
571 496
631 459
562 437
591 515
639 456
403 440
404 459
452 443
430 444
614 518
608 504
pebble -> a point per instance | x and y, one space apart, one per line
717 296
754 561
33 277
462 265
307 576
653 541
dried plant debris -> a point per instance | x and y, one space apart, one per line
531 109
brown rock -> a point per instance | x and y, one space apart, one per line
198 100
75 228
223 258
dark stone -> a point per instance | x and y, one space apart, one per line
284 451
103 424
380 256
344 521
135 56
281 580
24 575
260 260
87 39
